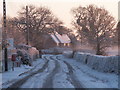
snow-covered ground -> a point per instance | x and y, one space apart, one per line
91 78
7 78
60 72
37 80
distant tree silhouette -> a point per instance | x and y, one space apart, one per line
118 33
95 25
41 21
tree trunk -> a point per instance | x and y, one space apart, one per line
98 51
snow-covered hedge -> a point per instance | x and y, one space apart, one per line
34 53
68 54
81 57
29 50
100 63
55 50
48 51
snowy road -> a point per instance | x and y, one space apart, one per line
55 73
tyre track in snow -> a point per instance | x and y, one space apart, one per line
23 80
71 76
49 80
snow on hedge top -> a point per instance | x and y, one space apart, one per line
23 46
82 53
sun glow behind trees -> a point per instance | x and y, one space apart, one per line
60 6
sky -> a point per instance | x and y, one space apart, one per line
61 8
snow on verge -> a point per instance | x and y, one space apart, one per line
19 72
91 78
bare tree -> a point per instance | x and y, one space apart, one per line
40 21
117 34
0 33
13 31
95 25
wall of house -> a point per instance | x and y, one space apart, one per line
49 43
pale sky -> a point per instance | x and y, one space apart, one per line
61 8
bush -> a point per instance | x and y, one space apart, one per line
97 62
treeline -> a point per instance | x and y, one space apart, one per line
39 21
93 25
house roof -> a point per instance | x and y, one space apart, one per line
60 38
54 38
